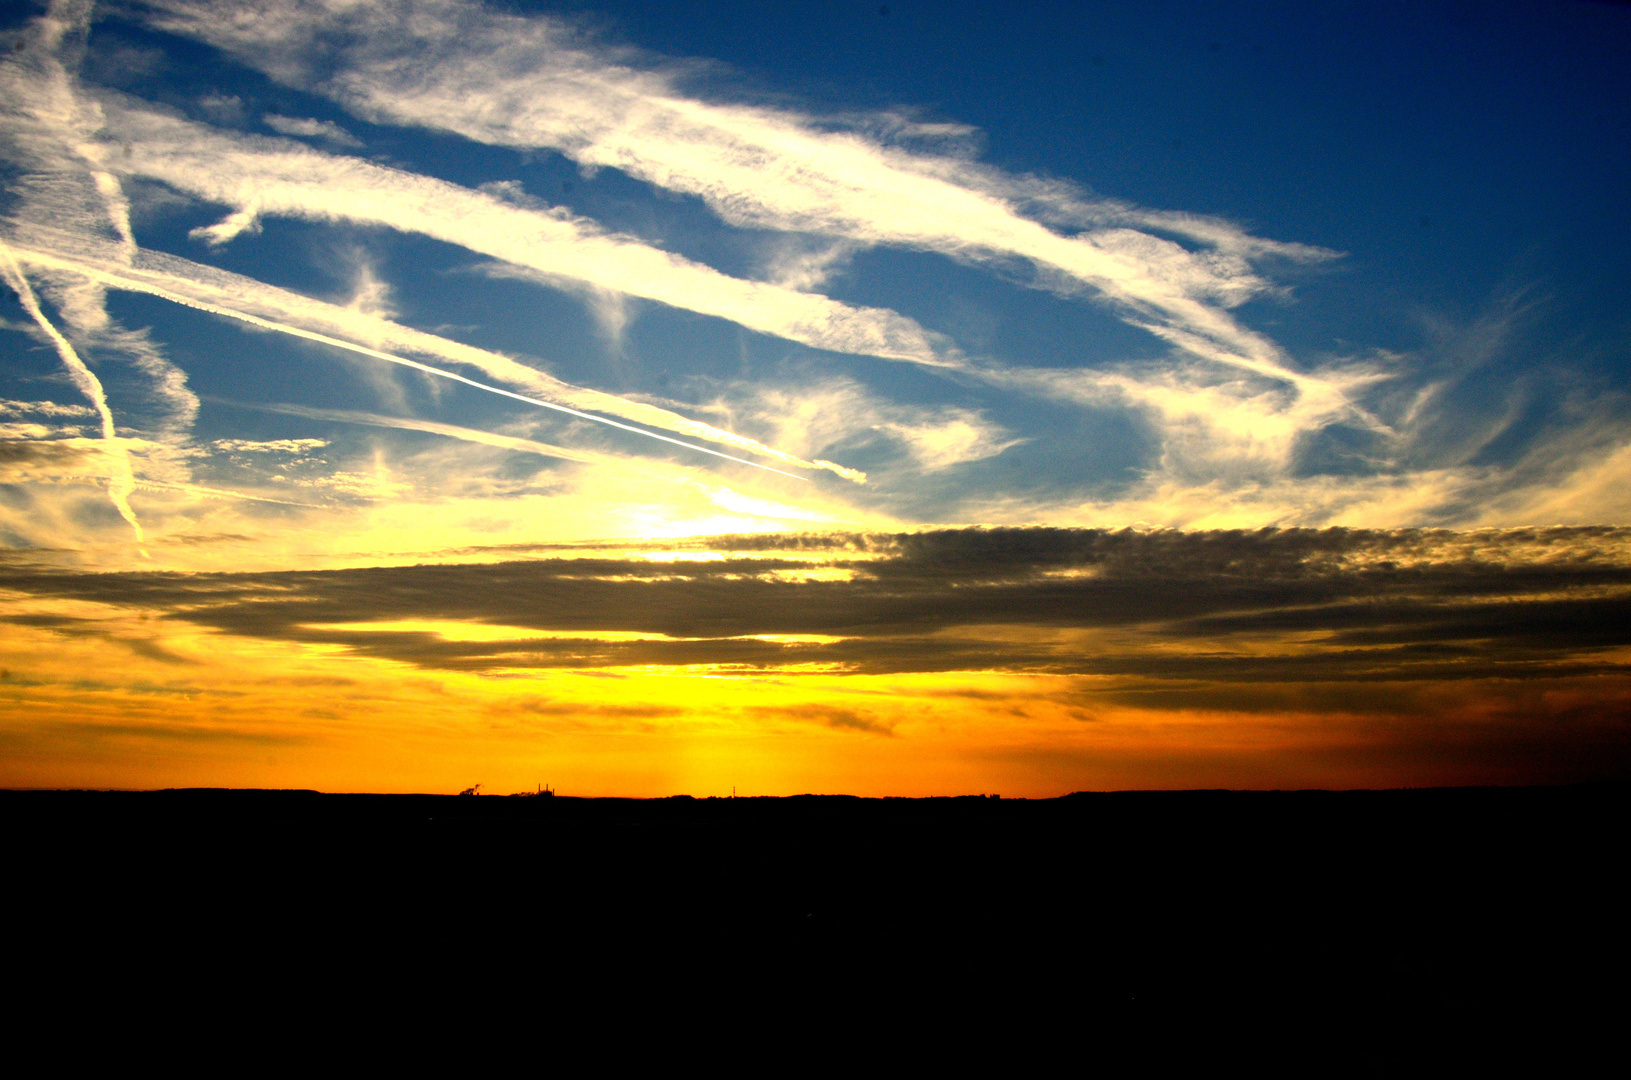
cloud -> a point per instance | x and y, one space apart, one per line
46 132
805 263
238 298
939 439
22 460
326 130
1225 429
829 715
1211 425
268 446
1164 613
834 416
229 228
262 176
163 406
44 408
223 109
454 431
721 496
1231 408
1581 488
122 482
533 81
736 501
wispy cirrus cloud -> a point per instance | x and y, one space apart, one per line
256 303
44 408
835 416
1229 424
307 128
123 481
453 431
262 176
834 185
47 131
534 81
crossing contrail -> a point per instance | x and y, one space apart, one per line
132 284
452 431
123 480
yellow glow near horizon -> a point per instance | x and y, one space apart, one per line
146 704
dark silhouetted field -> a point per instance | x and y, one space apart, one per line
1406 905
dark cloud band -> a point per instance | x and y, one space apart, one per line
1271 606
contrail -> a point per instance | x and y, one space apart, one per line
119 281
211 285
720 496
222 493
123 480
432 427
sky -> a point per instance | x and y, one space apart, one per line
892 399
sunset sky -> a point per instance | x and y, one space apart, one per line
896 399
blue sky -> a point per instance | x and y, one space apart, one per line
1340 125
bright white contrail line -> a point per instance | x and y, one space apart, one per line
452 431
222 493
123 480
119 281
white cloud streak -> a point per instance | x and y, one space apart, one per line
43 408
838 413
50 129
326 130
268 446
1213 425
849 182
122 481
719 495
186 292
1233 412
264 176
203 286
433 427
533 82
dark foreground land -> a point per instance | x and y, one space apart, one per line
1405 903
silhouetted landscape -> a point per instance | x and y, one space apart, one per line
1406 901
